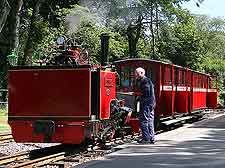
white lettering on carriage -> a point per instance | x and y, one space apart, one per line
183 89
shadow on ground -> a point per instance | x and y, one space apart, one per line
205 151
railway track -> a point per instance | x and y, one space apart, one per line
24 160
37 157
64 153
6 138
41 161
14 161
19 156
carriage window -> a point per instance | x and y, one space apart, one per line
127 77
132 77
167 75
183 78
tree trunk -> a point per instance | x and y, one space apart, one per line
4 10
9 34
131 41
28 50
14 24
9 40
157 21
133 34
152 31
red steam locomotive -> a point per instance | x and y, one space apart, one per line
73 103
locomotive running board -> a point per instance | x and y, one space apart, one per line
55 118
177 121
182 120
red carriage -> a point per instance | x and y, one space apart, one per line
178 90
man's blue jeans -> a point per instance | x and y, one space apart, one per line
147 129
146 119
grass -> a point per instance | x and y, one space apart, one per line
4 127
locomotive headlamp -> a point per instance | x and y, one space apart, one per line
93 117
60 40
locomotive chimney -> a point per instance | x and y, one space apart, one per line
104 49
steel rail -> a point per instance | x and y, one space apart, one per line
41 161
4 138
12 158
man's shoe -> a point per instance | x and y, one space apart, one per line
152 142
143 141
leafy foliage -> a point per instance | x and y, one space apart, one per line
181 43
212 35
158 29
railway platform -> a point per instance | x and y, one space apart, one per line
198 145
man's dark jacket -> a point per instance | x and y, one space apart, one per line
147 93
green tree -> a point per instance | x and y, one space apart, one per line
212 34
136 19
180 41
83 26
42 22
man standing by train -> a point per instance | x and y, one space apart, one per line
147 105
